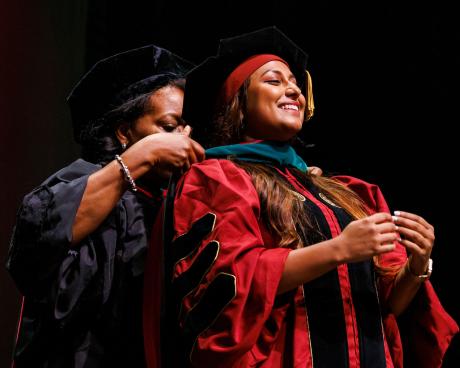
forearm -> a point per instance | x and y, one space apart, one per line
360 240
104 189
306 264
165 152
405 287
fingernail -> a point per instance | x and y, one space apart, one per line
396 228
399 239
394 218
397 213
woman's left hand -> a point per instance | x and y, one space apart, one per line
418 237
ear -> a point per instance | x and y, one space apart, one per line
123 133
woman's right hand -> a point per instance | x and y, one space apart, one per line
154 157
164 153
362 239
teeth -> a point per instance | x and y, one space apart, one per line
290 107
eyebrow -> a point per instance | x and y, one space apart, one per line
276 71
173 116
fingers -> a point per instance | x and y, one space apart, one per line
386 231
415 228
193 152
198 150
187 130
419 258
380 217
412 247
315 171
414 236
388 238
386 248
418 238
179 129
415 218
386 227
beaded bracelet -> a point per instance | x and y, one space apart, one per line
124 169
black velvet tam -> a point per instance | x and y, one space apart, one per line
205 81
118 78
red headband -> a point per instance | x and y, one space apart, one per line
236 78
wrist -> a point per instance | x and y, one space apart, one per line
151 150
139 160
126 173
337 250
420 276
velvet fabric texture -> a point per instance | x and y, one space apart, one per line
205 81
114 80
245 323
271 152
82 303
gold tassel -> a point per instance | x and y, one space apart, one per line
310 108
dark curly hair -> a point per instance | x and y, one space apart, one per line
98 139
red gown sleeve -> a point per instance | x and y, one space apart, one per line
429 329
232 309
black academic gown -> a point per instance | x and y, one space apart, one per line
82 305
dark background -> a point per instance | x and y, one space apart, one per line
386 81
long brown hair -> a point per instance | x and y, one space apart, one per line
282 211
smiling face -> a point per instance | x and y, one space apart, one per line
275 105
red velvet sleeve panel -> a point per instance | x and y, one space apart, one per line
430 329
231 339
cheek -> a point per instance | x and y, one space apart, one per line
303 103
143 130
260 107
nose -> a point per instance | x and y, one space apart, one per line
293 90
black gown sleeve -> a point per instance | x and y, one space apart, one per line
43 229
76 298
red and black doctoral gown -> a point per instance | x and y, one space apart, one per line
225 271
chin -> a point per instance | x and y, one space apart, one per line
283 137
289 132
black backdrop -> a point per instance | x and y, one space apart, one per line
385 79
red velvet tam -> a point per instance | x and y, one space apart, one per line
242 72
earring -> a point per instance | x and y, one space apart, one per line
123 146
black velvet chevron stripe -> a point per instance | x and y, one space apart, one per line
190 279
188 243
219 293
367 315
323 298
365 301
326 321
323 301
